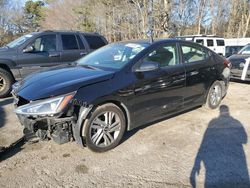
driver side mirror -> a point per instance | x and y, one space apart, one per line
147 66
28 49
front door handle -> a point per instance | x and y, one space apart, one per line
54 55
83 53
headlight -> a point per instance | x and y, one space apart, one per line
45 107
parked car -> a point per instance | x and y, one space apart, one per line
238 62
36 51
215 43
119 87
234 45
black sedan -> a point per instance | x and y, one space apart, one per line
120 87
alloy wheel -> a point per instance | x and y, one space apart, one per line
105 129
216 95
2 83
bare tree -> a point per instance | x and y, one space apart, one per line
245 18
61 15
128 19
201 5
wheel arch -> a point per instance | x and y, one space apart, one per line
7 68
84 113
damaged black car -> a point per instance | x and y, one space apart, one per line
117 88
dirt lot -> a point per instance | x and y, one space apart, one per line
202 147
10 129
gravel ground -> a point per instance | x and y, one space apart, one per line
206 148
10 128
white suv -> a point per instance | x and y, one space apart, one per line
214 43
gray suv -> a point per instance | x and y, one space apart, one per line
37 51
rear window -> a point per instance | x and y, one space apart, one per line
220 42
69 42
94 42
233 49
245 50
210 42
193 53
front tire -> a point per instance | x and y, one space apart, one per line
6 80
105 128
214 96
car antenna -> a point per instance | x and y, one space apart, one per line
150 32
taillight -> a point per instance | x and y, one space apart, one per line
227 63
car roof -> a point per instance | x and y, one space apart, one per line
205 36
156 41
68 31
202 37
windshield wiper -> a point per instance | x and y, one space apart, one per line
90 66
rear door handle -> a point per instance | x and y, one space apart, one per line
194 73
54 55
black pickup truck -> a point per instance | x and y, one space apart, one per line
40 50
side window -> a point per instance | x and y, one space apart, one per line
165 55
210 42
220 42
193 54
200 41
81 45
69 42
45 43
94 42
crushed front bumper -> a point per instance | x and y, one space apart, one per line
59 129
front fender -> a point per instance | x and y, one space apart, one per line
90 96
11 64
112 89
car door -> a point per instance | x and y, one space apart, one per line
159 92
199 70
44 54
72 47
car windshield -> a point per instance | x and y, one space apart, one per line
19 41
113 56
245 50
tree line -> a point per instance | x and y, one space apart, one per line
127 19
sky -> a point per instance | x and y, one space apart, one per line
18 1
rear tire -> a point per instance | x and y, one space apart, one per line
6 81
105 127
214 96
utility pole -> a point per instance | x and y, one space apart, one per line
150 32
